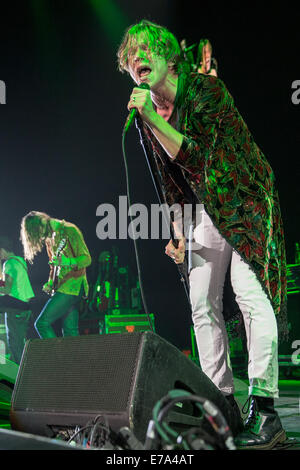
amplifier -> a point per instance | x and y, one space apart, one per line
3 338
293 278
128 323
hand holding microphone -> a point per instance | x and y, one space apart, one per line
137 101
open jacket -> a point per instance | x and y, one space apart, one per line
230 175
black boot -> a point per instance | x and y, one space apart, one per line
239 426
263 429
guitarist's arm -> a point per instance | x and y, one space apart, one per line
81 258
77 262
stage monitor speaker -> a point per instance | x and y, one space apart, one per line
66 382
8 375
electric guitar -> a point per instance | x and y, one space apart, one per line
56 269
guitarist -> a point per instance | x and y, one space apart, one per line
16 298
68 259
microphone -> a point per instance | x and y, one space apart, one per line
133 112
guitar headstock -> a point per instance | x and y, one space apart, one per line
61 246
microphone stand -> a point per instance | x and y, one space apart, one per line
182 267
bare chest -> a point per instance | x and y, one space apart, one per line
165 113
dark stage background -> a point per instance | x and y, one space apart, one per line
61 126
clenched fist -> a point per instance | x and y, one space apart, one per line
177 254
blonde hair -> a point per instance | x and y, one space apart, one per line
158 38
33 233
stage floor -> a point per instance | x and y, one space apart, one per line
287 406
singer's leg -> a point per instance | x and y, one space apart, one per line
207 279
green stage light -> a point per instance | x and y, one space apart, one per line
112 20
47 41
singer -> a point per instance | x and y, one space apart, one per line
195 128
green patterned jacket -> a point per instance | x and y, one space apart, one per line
230 175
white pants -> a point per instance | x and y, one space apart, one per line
210 259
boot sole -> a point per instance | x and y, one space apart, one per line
279 438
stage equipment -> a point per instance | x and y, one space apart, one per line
156 179
161 436
66 382
289 350
8 375
127 323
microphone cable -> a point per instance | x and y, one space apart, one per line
217 436
124 133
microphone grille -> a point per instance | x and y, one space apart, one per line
144 86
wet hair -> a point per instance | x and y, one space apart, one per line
159 40
33 233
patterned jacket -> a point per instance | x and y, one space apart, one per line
230 175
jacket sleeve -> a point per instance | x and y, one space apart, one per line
79 248
206 104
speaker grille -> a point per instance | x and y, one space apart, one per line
96 375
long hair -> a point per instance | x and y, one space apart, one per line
33 233
159 40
